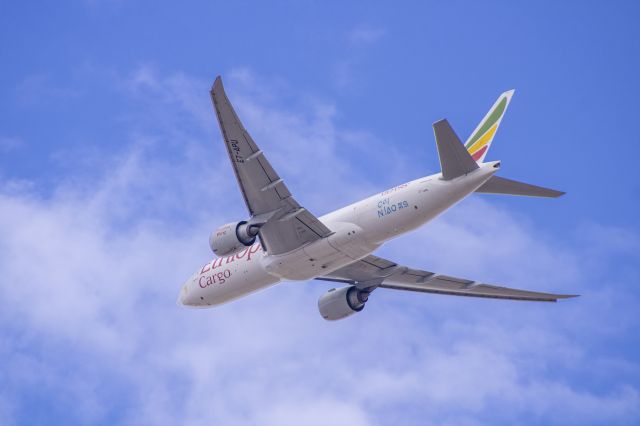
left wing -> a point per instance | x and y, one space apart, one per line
285 225
373 271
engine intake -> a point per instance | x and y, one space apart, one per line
342 302
232 237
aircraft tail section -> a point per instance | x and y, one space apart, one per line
480 140
454 159
499 185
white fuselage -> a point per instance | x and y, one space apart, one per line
358 230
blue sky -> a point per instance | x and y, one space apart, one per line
112 175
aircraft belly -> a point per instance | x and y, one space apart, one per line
299 266
320 250
249 278
350 240
342 248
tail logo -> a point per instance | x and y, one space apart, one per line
480 141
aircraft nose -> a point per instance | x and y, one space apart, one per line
183 295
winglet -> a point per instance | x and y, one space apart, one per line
455 160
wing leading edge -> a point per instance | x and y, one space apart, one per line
286 224
374 271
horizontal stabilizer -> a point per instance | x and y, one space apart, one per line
499 185
455 160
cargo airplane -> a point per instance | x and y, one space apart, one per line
282 241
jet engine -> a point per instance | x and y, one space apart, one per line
232 237
342 302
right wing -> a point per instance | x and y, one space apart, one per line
286 225
374 271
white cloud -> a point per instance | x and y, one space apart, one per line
316 411
90 276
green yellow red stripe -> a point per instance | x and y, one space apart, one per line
489 122
483 140
479 153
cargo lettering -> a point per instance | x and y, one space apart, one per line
217 278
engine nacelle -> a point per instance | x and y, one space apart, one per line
232 237
342 302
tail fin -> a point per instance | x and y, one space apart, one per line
454 159
480 140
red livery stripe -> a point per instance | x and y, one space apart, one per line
476 156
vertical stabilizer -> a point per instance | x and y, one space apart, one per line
480 140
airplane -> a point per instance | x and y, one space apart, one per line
282 241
